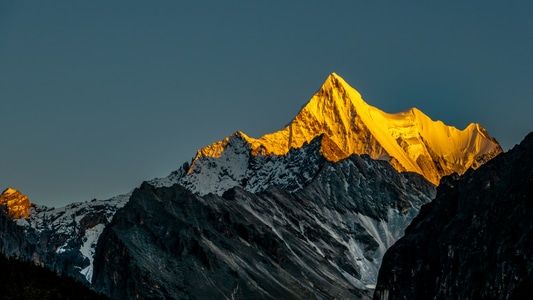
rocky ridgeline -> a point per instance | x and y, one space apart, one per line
305 212
409 140
322 241
474 241
62 239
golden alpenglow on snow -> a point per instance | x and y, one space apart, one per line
409 140
15 203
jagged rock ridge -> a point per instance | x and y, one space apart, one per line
237 166
322 241
409 140
62 239
474 241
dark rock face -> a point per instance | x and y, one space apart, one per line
62 239
474 241
23 280
323 241
293 226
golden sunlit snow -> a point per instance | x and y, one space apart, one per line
409 140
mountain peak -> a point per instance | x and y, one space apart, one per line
335 79
335 85
16 204
409 140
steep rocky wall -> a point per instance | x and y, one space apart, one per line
323 241
474 241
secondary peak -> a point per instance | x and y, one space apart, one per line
15 204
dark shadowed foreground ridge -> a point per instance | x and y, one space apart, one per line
323 241
474 241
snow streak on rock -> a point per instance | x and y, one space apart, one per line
323 240
64 238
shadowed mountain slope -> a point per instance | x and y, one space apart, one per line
474 241
323 241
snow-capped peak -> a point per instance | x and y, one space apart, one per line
409 140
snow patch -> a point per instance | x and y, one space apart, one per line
88 248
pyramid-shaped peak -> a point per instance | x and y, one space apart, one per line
334 80
335 76
409 140
336 88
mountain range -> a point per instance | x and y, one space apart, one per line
410 141
305 212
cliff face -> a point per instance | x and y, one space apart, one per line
323 241
62 239
15 203
474 241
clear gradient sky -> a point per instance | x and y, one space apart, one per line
97 96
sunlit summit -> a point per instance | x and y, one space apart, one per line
305 212
409 140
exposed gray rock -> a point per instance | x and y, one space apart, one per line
62 239
323 241
237 166
474 241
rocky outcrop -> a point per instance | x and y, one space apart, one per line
323 241
236 166
15 204
474 241
62 239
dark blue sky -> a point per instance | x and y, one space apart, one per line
97 96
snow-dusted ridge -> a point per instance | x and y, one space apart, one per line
350 180
237 166
339 123
326 159
70 233
329 232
